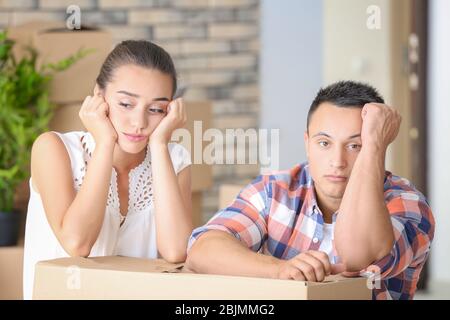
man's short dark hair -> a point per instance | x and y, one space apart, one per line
346 94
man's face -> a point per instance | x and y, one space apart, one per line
333 142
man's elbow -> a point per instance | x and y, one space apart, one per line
191 261
355 264
194 256
359 259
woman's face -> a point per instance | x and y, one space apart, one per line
138 98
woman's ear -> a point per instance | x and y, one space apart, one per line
97 90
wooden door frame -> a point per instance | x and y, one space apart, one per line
418 96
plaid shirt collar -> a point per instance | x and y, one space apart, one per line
310 206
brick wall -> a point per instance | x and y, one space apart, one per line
214 43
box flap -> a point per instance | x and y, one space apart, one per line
65 29
116 263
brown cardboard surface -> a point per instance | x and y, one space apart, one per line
199 111
133 278
197 212
227 193
66 118
11 273
54 41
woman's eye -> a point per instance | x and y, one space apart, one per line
125 105
156 110
323 143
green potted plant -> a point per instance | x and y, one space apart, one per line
25 112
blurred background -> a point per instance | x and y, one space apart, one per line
258 64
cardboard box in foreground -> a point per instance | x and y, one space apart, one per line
11 266
133 278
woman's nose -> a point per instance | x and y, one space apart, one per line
139 120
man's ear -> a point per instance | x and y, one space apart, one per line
306 140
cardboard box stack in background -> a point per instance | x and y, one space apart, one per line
132 278
54 42
201 112
227 194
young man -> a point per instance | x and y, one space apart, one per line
339 212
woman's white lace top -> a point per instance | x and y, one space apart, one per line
132 236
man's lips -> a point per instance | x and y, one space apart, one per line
335 178
134 137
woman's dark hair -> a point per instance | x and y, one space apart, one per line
346 94
138 52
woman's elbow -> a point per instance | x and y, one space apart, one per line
77 249
174 256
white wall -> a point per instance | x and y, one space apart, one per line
439 134
291 70
352 51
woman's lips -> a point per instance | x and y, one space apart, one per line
135 137
334 178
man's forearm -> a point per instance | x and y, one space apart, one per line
364 231
217 252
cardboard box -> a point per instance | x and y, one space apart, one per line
54 41
197 210
198 111
11 274
132 278
227 194
66 118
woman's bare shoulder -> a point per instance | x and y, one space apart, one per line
48 154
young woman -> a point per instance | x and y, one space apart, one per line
120 188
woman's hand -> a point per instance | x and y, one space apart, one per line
176 118
94 115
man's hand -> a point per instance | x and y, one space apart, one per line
307 266
381 124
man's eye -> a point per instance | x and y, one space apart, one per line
125 105
354 146
323 143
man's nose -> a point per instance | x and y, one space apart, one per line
338 159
